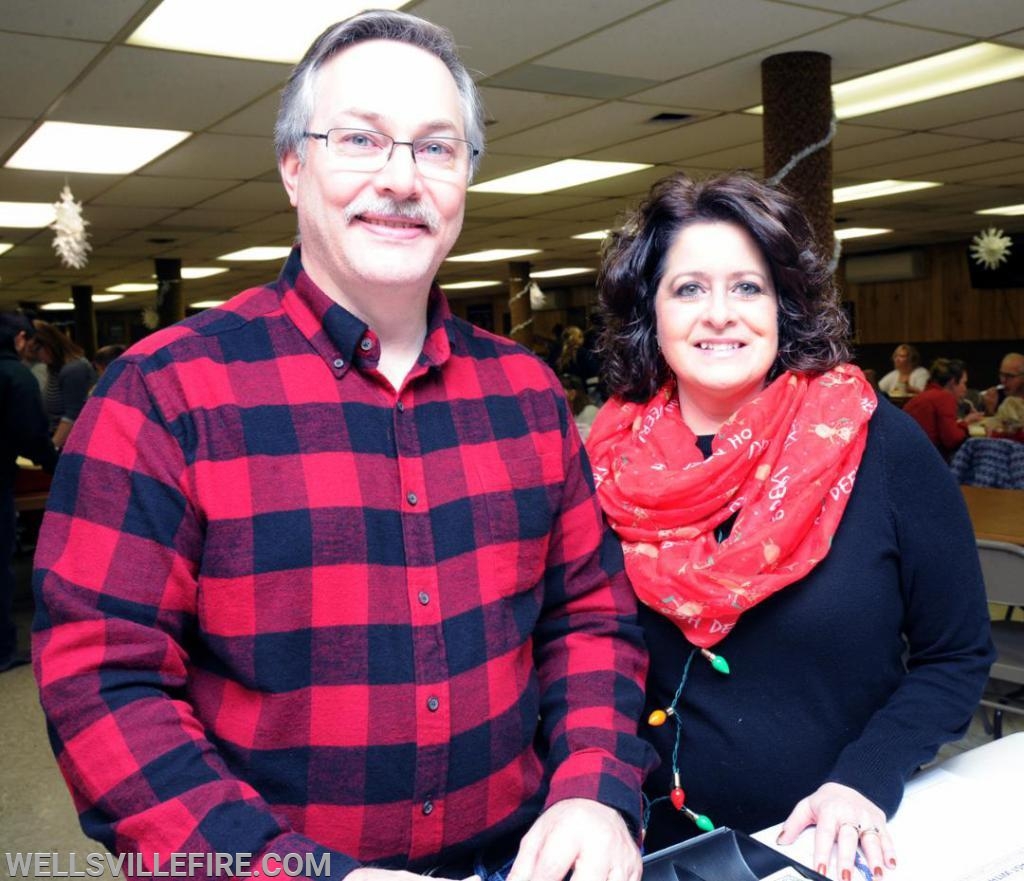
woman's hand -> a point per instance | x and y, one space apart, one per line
846 818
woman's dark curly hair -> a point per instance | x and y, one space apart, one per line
812 326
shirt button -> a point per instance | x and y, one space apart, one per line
411 498
366 345
423 597
428 808
432 704
339 362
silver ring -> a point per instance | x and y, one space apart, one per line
871 830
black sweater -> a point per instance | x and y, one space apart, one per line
855 674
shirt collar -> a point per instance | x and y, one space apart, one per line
336 334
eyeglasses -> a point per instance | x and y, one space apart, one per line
1004 375
356 149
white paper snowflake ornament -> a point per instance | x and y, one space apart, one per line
990 247
71 242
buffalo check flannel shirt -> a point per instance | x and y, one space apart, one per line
283 608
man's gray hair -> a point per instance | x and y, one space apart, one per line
297 99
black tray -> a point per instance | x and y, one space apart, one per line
721 855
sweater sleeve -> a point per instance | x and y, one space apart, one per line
75 379
946 621
951 432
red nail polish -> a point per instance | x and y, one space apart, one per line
846 875
892 862
822 868
877 871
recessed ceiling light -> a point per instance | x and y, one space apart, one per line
131 287
206 304
106 298
202 271
65 306
1005 211
878 188
258 253
557 176
960 70
4 247
469 285
558 273
95 149
597 235
859 232
27 215
493 254
261 31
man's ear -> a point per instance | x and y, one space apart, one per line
289 167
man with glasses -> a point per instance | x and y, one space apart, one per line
323 571
1005 402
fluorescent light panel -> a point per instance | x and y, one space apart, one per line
469 285
557 176
258 253
256 29
93 149
597 235
859 232
202 271
1005 211
493 254
65 306
27 215
131 287
948 73
207 304
106 298
4 247
878 188
559 273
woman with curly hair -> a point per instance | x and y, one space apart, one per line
773 510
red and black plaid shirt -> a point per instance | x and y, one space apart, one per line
282 607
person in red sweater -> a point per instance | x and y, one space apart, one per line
935 409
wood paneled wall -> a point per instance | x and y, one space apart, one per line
942 306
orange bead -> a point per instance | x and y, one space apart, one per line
657 718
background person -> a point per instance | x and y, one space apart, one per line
1005 402
23 432
936 409
69 376
583 410
323 569
774 515
907 376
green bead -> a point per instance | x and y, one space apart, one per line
703 823
721 664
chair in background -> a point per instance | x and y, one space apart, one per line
1002 565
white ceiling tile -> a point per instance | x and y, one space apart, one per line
251 196
978 18
224 157
648 45
694 139
867 156
154 88
512 110
41 67
961 107
167 192
69 18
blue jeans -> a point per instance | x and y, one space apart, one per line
486 874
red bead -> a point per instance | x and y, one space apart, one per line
678 797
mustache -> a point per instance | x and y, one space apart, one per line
416 212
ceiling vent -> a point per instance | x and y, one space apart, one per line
890 266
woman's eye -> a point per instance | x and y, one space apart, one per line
747 289
690 290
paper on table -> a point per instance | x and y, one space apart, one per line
949 828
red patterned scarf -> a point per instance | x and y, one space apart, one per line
786 461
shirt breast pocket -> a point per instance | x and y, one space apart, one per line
520 497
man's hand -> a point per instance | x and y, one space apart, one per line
579 836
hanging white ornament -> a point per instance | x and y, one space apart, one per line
71 242
990 247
